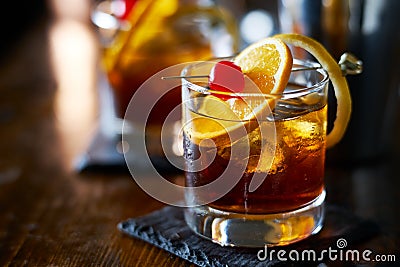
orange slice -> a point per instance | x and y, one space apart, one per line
217 121
267 63
339 82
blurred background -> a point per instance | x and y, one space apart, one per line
53 106
50 55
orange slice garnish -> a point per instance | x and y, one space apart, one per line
267 63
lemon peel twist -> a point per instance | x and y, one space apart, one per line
339 82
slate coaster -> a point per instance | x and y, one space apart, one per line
167 230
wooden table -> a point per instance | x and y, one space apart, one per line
50 215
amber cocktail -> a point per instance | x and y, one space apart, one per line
269 149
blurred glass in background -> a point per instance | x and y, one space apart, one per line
158 34
140 38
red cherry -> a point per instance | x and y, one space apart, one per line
226 76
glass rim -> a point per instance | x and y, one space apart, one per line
285 94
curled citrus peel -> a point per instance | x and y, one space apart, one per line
339 82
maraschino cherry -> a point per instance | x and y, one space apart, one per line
226 76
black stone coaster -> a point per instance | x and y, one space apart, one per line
167 230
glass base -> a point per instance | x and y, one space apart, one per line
249 230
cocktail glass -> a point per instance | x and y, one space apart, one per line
262 163
157 35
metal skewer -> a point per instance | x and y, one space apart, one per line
348 63
179 77
307 68
206 76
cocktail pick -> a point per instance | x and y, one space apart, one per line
349 64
